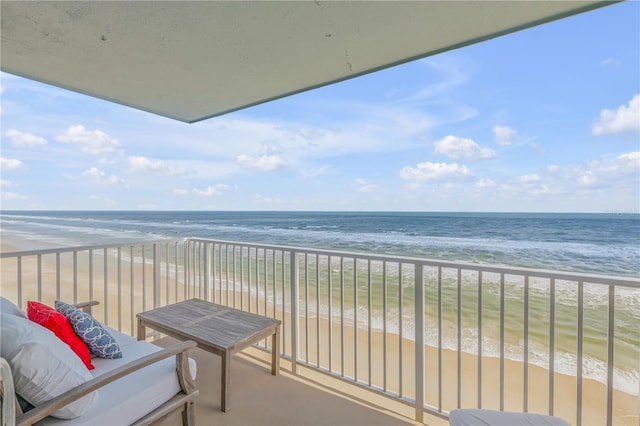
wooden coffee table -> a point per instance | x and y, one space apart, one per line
217 329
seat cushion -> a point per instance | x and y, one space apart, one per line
128 399
43 366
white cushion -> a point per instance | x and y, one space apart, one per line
481 417
126 400
9 308
42 365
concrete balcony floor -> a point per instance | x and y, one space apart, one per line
308 398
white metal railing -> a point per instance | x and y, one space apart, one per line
355 316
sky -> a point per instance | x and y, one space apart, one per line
543 120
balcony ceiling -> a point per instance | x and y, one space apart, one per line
199 59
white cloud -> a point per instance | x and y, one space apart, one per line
24 140
485 183
609 173
101 177
10 163
624 119
314 171
435 172
267 148
139 164
611 61
265 199
265 163
504 135
95 142
5 183
462 149
587 178
532 178
211 190
362 185
11 196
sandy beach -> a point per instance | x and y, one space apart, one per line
119 303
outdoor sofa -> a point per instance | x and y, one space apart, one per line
142 385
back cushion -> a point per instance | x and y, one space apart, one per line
43 367
9 308
59 325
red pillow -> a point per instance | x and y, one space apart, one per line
60 326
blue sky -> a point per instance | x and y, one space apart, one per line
543 120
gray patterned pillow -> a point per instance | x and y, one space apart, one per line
97 338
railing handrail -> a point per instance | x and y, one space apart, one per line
54 250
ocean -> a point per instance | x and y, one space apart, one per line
604 244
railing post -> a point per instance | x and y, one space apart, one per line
206 273
156 277
419 367
295 275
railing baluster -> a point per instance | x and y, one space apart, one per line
295 314
106 286
266 278
317 311
384 325
369 287
341 316
579 353
91 274
144 280
610 340
400 336
39 272
552 341
525 350
131 288
459 340
501 342
205 259
284 309
120 288
419 346
439 301
355 319
19 280
58 276
480 339
306 308
330 313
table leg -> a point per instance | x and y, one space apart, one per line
142 331
225 388
275 352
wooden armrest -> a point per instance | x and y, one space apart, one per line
86 306
187 385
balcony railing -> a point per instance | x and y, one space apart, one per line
437 335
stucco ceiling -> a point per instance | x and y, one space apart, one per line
191 60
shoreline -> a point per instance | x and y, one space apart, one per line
594 400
